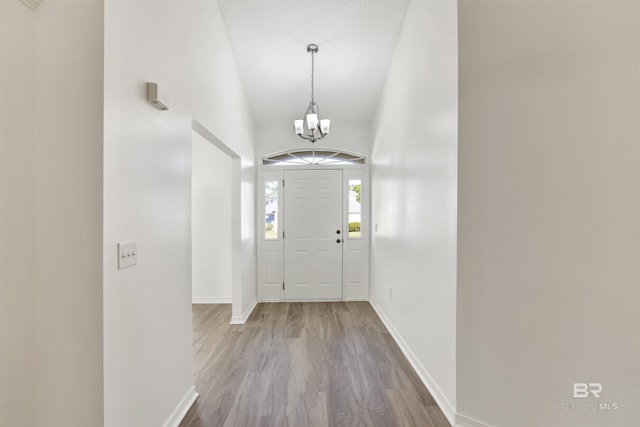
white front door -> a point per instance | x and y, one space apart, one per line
313 235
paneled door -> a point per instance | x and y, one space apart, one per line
313 234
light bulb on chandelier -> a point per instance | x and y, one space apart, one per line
312 128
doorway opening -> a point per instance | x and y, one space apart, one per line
314 243
215 221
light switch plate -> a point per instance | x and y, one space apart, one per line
127 254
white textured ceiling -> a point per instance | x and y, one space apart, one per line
356 40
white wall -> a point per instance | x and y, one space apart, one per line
51 122
414 167
211 210
183 46
549 241
348 137
17 106
68 212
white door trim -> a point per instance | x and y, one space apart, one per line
270 255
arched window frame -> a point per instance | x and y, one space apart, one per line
313 157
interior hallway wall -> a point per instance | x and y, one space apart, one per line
51 197
414 178
68 42
183 46
211 210
549 203
17 109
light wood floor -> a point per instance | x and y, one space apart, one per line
304 365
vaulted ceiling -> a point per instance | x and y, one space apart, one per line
356 41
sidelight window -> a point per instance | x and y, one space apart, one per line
271 210
355 209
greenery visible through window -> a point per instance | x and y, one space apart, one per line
271 210
355 209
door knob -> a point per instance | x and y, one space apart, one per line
337 240
337 231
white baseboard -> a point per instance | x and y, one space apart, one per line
210 300
464 421
447 408
313 300
241 320
182 409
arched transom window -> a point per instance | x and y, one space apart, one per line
314 157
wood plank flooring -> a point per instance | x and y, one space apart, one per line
304 365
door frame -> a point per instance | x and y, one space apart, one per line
270 276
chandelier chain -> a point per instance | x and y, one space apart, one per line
312 66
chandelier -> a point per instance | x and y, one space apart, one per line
312 127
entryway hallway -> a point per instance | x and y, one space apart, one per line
304 365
